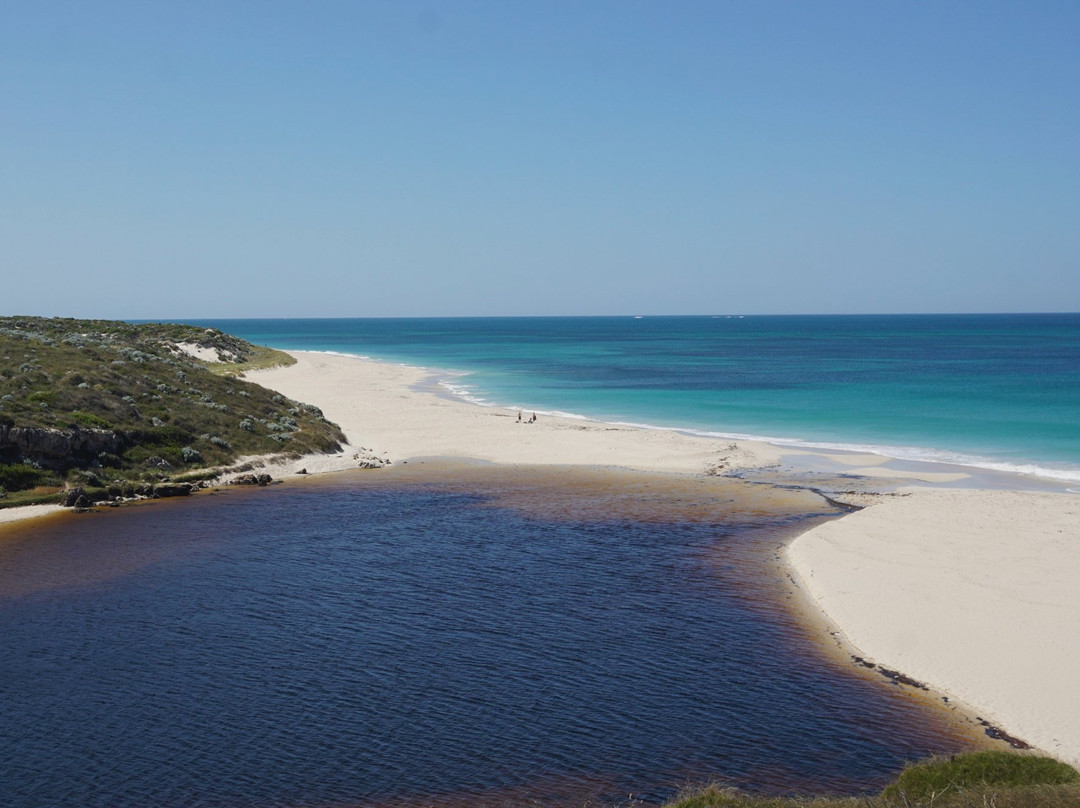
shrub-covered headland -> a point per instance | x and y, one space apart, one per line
115 409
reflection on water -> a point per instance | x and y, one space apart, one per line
429 636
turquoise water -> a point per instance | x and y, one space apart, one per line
995 391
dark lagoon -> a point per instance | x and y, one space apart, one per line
433 636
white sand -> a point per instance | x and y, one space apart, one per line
27 512
379 408
198 352
975 593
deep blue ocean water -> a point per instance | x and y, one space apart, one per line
988 390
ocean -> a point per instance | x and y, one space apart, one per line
993 391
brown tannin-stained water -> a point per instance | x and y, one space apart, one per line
431 636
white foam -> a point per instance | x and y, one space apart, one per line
463 393
913 453
917 454
341 353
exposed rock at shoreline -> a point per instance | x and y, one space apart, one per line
253 479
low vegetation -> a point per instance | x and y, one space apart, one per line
106 406
988 779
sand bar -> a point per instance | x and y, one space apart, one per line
971 592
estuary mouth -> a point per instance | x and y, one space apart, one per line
437 635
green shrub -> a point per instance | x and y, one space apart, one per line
197 476
88 419
19 476
18 499
171 436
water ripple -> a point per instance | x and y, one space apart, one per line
346 645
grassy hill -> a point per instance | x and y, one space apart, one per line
112 406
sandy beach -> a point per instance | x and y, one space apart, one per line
969 591
393 411
397 412
8 515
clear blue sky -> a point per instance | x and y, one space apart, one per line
210 159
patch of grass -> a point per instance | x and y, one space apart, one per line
88 419
39 495
167 436
1067 796
17 476
202 475
988 779
989 768
260 358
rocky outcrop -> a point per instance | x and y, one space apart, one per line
367 459
56 448
75 498
253 479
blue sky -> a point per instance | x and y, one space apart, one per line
217 159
